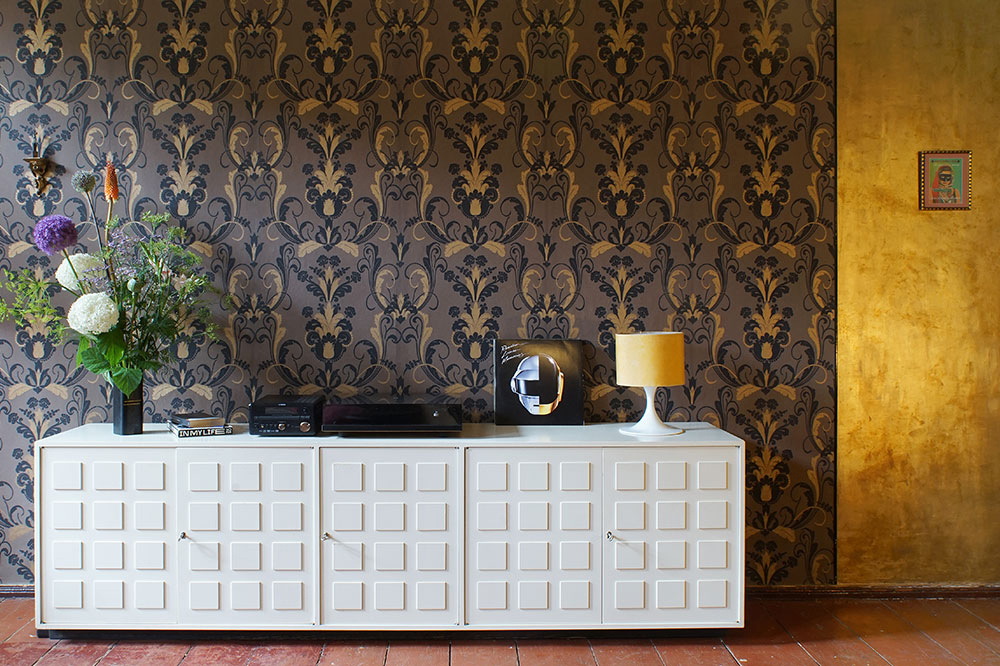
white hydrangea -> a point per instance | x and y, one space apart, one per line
92 314
85 265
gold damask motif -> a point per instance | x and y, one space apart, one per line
383 188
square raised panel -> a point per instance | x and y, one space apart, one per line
67 555
390 556
671 594
67 594
150 555
491 595
533 595
713 515
109 516
574 515
671 475
109 594
286 477
286 595
574 594
348 477
630 595
286 556
533 476
109 555
203 477
203 595
109 476
390 477
67 476
713 475
671 554
149 475
533 515
150 595
244 477
348 596
432 595
432 556
574 555
286 516
432 516
203 556
149 515
630 515
390 516
203 516
491 516
491 476
432 477
713 554
390 595
244 516
671 515
245 595
245 556
348 517
491 556
533 556
630 555
630 476
348 556
574 476
713 594
67 515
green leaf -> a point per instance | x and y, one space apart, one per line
83 346
94 361
112 346
126 379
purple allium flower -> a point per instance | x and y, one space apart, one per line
54 233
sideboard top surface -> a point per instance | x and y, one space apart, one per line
472 435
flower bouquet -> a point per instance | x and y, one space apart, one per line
133 298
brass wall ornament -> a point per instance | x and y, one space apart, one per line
39 166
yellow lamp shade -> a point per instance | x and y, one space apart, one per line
655 358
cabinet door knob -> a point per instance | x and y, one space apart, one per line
183 536
326 536
611 537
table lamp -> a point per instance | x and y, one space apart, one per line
650 360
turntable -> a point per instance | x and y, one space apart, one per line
397 417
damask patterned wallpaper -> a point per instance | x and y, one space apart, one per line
385 186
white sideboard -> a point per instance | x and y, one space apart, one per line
503 527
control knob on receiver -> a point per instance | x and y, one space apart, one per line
304 426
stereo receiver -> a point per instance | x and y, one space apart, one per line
286 415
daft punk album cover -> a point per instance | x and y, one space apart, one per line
538 382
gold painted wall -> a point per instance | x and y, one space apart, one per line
919 331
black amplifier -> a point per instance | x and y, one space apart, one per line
286 415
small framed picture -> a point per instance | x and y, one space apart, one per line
538 382
945 180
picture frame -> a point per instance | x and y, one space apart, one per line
945 180
538 382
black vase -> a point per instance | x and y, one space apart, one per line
126 411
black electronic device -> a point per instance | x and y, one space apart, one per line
359 418
286 415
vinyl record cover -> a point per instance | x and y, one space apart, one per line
538 382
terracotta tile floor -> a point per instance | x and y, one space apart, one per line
829 631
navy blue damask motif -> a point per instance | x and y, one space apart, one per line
382 189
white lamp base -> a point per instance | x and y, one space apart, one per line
650 424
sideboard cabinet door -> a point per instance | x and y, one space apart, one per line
533 536
673 552
248 543
107 546
390 525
